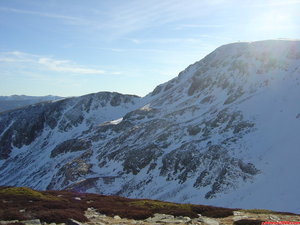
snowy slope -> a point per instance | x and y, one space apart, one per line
18 101
27 134
224 132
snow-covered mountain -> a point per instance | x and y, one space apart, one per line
224 132
18 101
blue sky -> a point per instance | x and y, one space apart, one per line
76 47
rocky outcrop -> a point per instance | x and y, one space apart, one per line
101 219
72 145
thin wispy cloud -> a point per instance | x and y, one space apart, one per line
197 40
131 16
138 15
124 50
167 40
276 3
34 62
66 66
105 39
184 26
50 15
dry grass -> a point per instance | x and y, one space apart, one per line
265 211
248 222
60 206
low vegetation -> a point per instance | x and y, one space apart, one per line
24 192
248 222
21 203
265 211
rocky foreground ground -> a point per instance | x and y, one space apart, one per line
25 206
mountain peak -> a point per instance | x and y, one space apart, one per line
275 43
223 132
230 61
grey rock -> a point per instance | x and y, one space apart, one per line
239 217
183 218
71 145
171 221
4 222
237 213
186 218
32 222
159 217
117 217
208 221
273 217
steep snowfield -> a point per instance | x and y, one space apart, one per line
224 132
275 148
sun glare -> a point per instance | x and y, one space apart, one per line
275 22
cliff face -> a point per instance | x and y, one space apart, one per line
223 132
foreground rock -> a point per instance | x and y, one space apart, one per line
96 218
19 206
208 221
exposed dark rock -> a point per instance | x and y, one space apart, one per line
169 86
242 126
180 164
71 171
234 95
116 100
199 84
248 168
137 159
72 145
140 114
201 179
194 130
207 99
157 90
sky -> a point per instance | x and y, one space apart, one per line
77 47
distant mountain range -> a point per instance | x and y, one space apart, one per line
19 101
224 132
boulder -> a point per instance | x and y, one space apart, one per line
31 222
208 221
